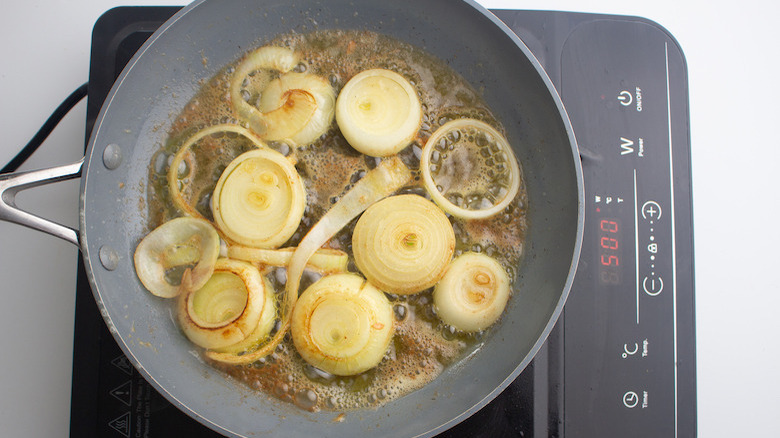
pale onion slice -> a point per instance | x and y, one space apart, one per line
259 199
274 97
294 108
342 325
173 171
181 243
380 182
226 309
403 244
473 293
234 353
378 112
472 162
325 260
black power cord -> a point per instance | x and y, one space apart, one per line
46 129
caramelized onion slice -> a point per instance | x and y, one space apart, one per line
181 244
469 169
473 293
259 199
378 112
324 101
342 325
389 176
403 244
292 115
296 107
262 60
173 171
227 308
235 353
325 260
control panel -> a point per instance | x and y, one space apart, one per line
624 86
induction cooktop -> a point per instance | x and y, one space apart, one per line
621 360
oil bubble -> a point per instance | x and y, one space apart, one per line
455 198
306 399
281 389
473 201
315 374
301 67
480 140
400 311
449 332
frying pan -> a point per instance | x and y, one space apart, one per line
163 77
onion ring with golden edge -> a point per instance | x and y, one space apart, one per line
234 353
226 309
259 199
181 243
325 260
274 96
378 112
292 109
473 293
403 244
292 116
493 173
173 171
380 182
342 325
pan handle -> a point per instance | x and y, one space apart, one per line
13 183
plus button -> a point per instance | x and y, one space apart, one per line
651 210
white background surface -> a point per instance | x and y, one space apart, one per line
731 50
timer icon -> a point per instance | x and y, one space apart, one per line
630 399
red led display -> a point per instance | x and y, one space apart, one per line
609 250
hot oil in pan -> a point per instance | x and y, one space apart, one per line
423 346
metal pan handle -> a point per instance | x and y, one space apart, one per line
13 183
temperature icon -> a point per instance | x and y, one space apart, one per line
630 352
